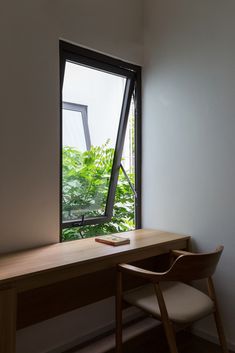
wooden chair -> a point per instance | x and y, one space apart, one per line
168 298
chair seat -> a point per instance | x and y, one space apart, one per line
184 303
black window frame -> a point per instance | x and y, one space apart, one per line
86 57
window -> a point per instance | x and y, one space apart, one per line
100 143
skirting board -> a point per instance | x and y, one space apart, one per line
211 338
131 316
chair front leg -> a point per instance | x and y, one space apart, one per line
170 334
119 312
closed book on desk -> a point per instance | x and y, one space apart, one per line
114 240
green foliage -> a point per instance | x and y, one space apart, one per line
86 177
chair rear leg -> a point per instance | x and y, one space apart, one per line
169 331
217 317
220 331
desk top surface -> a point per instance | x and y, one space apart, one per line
74 253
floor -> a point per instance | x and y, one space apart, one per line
151 339
186 342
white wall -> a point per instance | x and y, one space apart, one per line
29 132
29 71
188 130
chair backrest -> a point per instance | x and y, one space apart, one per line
194 266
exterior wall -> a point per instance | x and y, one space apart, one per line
188 131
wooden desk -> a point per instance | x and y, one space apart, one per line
48 266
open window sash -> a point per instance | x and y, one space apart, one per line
67 55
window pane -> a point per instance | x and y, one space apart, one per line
124 208
87 169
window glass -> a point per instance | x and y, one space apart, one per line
124 207
87 171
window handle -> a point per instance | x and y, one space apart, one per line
79 223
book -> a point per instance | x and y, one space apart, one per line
114 240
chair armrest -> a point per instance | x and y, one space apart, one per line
140 272
176 253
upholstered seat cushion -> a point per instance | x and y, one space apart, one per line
184 303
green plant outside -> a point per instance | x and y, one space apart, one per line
85 185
